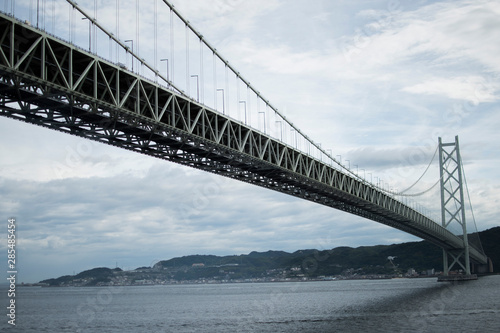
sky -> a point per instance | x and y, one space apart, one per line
375 82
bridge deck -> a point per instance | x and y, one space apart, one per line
49 82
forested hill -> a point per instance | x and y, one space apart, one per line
418 255
341 261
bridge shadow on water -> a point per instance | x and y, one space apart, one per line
412 310
438 307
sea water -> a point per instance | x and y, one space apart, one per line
397 305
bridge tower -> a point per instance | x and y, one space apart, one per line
452 203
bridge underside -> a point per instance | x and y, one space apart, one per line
80 94
143 136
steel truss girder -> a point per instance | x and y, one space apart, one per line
49 82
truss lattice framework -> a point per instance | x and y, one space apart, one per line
452 202
49 82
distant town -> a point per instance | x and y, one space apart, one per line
159 276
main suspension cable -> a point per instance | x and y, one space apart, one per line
470 205
403 193
422 176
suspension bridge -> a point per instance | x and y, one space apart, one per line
64 68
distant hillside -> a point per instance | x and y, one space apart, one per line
490 239
418 255
93 276
340 261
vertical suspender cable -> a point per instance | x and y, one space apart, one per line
172 45
202 90
215 79
117 29
31 11
238 97
266 116
226 91
71 23
137 34
247 107
94 30
156 37
188 85
43 14
54 17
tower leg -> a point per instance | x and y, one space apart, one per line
445 263
452 203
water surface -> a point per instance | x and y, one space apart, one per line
398 305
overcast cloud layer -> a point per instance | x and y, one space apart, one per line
375 82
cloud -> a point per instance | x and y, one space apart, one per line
217 17
375 78
474 89
443 33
